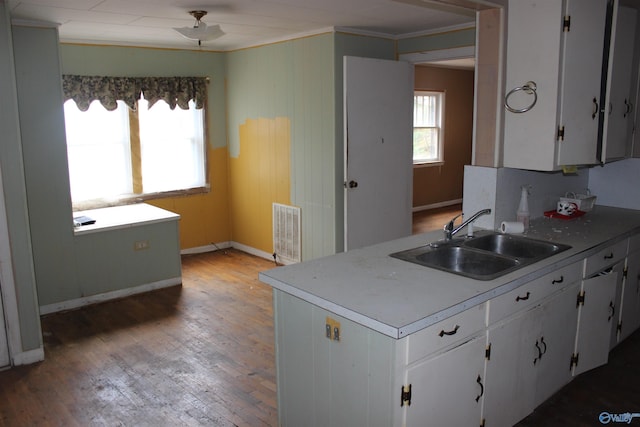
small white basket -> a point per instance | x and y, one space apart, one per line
584 202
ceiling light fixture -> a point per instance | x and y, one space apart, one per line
200 31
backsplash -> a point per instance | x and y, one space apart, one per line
500 190
616 184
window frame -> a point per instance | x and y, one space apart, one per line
136 171
440 96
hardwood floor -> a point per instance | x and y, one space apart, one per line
434 219
200 354
203 354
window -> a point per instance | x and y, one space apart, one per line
427 127
122 154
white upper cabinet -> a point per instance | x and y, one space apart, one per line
618 118
553 83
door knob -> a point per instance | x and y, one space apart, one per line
353 184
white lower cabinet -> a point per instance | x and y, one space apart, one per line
629 319
595 318
510 382
491 364
448 389
529 357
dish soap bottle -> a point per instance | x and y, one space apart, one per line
523 209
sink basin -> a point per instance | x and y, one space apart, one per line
485 257
467 262
515 246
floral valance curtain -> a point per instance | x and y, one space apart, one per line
173 90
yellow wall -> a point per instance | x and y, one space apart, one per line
204 218
259 175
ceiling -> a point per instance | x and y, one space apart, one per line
245 22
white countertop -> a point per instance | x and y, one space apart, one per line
123 217
397 298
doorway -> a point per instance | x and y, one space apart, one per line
437 186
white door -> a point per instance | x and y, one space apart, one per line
378 108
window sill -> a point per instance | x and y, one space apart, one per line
427 164
136 199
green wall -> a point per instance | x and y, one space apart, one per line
15 198
295 80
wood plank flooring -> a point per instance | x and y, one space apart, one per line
200 354
203 355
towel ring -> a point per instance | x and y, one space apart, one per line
529 88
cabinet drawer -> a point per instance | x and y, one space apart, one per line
606 257
532 292
446 332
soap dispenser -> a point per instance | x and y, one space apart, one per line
523 208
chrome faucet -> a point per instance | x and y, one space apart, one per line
449 231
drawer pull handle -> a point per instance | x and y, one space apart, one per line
613 310
560 280
537 359
541 351
443 332
479 381
610 256
524 298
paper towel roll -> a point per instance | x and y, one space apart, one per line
513 227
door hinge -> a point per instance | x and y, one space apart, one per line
487 352
566 24
560 136
574 360
619 327
482 423
405 395
580 299
625 272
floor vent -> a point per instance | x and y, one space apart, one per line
286 233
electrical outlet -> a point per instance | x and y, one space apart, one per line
332 329
141 245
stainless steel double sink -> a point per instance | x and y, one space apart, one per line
484 257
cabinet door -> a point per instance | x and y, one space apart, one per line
533 54
618 115
447 390
618 269
630 304
511 370
583 47
595 317
556 342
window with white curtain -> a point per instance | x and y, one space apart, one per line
123 154
171 147
428 110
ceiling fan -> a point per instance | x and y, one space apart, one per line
200 31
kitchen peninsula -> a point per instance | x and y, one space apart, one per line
366 339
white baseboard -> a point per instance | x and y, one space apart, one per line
436 205
234 245
93 299
206 248
28 357
252 251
